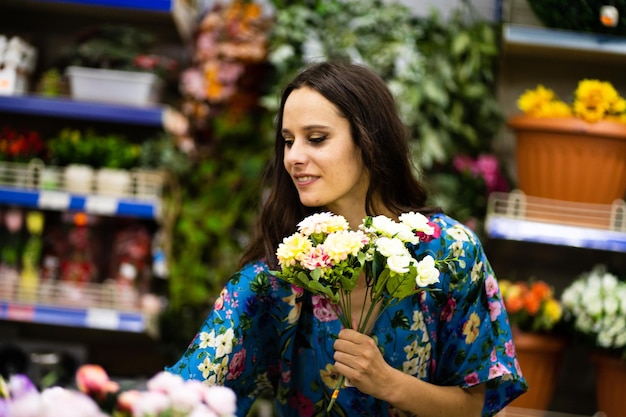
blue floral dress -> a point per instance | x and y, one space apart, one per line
266 336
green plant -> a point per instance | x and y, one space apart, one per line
72 146
442 72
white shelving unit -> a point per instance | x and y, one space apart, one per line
516 216
94 306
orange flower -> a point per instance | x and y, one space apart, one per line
531 308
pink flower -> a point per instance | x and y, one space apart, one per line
434 235
235 368
495 308
302 404
322 309
491 286
151 403
93 380
448 310
222 400
472 379
126 400
509 348
165 382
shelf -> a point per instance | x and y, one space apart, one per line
81 110
94 318
92 204
181 14
536 40
523 218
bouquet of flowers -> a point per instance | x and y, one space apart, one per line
326 258
167 395
594 101
532 306
595 305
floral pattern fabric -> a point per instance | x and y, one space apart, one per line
266 336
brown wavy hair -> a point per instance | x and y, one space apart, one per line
365 101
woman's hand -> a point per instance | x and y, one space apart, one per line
360 361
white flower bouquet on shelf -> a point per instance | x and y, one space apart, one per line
167 395
326 258
595 306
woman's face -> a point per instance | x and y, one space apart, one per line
320 155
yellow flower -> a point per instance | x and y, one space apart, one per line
594 101
292 249
533 100
471 328
330 376
553 310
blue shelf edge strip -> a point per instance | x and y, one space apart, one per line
144 5
556 234
120 207
82 110
74 317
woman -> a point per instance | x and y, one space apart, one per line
341 147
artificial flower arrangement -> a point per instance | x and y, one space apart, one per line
594 101
531 306
167 395
595 307
326 258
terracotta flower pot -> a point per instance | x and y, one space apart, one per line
540 358
569 159
610 384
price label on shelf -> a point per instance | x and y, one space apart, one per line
100 204
101 318
54 200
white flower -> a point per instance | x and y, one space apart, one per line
595 304
400 264
323 223
390 247
427 272
418 222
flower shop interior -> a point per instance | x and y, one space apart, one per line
134 133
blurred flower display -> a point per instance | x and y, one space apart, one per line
20 145
230 47
167 395
531 306
595 307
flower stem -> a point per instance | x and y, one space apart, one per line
335 394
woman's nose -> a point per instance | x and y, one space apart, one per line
295 153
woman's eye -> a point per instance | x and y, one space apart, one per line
318 139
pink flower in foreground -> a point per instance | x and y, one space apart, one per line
222 400
93 380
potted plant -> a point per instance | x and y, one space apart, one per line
94 161
534 314
594 306
555 139
113 63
